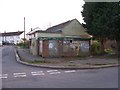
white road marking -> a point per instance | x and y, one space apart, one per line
19 74
70 71
55 73
52 70
17 56
3 76
37 73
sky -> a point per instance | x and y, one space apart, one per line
37 13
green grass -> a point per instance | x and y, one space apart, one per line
38 62
99 63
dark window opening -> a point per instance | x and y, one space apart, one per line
70 41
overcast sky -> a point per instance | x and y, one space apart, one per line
38 13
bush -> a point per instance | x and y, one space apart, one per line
23 45
95 48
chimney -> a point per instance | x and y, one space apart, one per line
31 29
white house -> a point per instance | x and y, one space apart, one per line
11 37
0 39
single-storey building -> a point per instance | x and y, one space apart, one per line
67 39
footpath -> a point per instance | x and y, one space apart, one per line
25 57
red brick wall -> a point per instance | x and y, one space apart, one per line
60 47
67 50
45 49
63 50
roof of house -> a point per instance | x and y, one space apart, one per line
58 28
12 33
37 29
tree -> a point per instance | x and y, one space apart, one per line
114 23
102 20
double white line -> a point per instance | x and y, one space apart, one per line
3 76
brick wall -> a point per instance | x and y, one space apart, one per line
60 48
45 49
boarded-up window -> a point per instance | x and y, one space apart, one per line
84 46
53 48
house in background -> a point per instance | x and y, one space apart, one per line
0 39
11 37
67 39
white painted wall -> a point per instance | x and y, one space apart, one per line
48 35
37 35
12 39
0 40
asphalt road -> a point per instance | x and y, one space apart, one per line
16 75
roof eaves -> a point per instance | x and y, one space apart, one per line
59 26
12 33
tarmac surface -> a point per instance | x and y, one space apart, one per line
17 75
25 57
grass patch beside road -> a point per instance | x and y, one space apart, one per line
37 61
99 63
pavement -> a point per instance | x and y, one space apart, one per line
25 57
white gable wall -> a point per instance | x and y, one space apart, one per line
12 39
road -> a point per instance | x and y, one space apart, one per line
16 75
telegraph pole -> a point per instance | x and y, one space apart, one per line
24 31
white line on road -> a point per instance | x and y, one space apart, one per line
70 71
55 73
52 70
37 73
3 76
19 74
17 56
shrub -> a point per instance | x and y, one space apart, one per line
23 45
95 48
